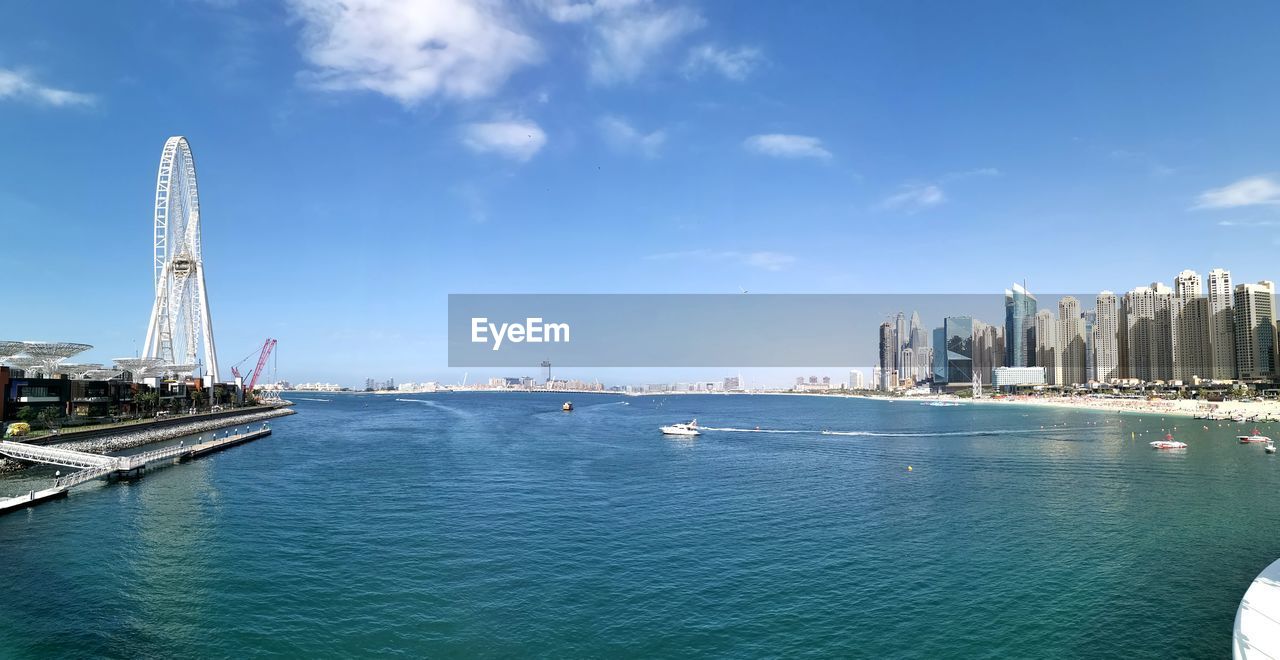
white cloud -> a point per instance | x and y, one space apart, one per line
1248 223
622 136
732 64
968 174
410 50
18 85
787 146
517 139
915 197
764 260
1252 191
567 11
626 36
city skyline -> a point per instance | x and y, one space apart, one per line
1187 334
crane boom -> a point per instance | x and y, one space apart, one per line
267 346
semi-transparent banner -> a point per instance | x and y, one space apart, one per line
734 330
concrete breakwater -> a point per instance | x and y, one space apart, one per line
130 438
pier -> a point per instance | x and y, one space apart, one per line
96 466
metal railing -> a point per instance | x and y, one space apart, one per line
54 455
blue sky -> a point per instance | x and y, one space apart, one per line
359 162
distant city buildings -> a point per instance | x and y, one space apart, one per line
1255 330
1184 335
1019 326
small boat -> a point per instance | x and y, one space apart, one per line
682 429
568 406
1270 447
1255 437
1168 443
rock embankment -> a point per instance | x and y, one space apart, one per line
128 439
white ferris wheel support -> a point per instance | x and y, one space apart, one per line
180 318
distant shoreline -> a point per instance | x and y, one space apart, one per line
1254 411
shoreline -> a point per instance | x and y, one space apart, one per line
1253 411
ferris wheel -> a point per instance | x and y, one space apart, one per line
180 326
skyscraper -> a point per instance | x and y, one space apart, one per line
1047 354
1148 332
888 354
1222 341
988 349
1255 330
1189 328
1019 325
939 355
1071 342
1106 336
959 349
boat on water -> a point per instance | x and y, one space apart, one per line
1254 437
1168 443
682 429
568 406
1270 447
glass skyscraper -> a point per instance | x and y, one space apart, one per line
958 331
939 357
1019 327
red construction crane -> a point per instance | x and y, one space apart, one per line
267 347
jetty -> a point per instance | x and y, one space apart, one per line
90 466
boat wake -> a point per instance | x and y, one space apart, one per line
303 398
885 434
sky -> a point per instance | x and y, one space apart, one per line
359 161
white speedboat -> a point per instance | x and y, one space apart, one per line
1270 447
1253 437
1168 443
682 429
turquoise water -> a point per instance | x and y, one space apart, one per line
496 525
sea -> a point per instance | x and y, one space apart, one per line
494 525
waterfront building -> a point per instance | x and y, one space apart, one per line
1019 326
1222 341
924 363
988 349
1189 328
908 364
939 357
1070 344
958 332
888 354
1255 330
900 336
732 383
1047 354
1148 332
1090 319
1007 378
856 381
919 338
1106 337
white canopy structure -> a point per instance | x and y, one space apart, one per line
48 354
139 367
